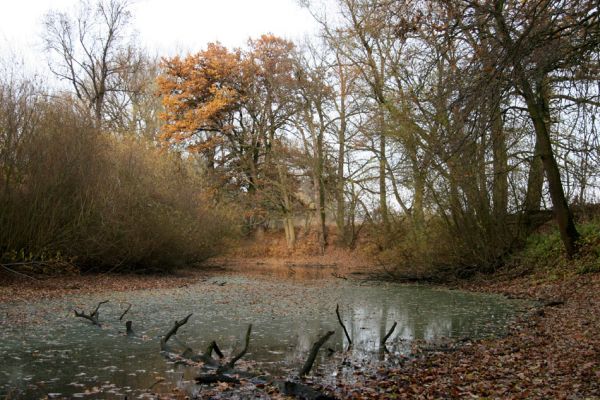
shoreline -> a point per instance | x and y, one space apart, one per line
551 351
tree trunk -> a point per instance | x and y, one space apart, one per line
535 182
537 105
538 108
500 163
383 208
339 189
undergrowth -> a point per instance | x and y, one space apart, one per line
544 252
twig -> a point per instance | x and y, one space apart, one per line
337 311
159 380
125 312
313 353
95 312
16 272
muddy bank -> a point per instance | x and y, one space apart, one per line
16 288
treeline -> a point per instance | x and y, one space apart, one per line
444 128
440 130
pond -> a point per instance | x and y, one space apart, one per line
50 352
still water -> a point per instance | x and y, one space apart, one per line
49 352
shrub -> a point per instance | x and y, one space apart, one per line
72 193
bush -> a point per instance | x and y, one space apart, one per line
73 194
544 252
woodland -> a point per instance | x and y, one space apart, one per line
448 142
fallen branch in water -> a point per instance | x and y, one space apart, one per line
208 379
387 335
172 331
313 353
337 312
213 347
159 380
336 275
129 331
93 316
241 354
5 266
125 312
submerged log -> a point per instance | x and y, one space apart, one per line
209 379
301 391
313 353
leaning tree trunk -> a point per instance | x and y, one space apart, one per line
537 107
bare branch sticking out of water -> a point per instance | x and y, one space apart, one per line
173 331
241 354
213 347
93 316
313 353
337 312
387 335
125 312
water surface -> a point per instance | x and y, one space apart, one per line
50 352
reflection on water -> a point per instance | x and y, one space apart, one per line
50 351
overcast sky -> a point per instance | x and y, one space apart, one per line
164 26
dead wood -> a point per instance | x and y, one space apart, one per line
125 312
553 303
128 327
93 316
301 391
313 353
213 347
172 331
5 266
208 379
241 354
387 335
337 312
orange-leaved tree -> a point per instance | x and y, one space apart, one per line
233 107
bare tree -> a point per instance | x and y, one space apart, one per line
91 50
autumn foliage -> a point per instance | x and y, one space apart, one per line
231 108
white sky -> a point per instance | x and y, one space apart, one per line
166 27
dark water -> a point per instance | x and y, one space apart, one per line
50 352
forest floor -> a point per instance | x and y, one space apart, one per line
553 351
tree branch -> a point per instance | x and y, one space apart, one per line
313 353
